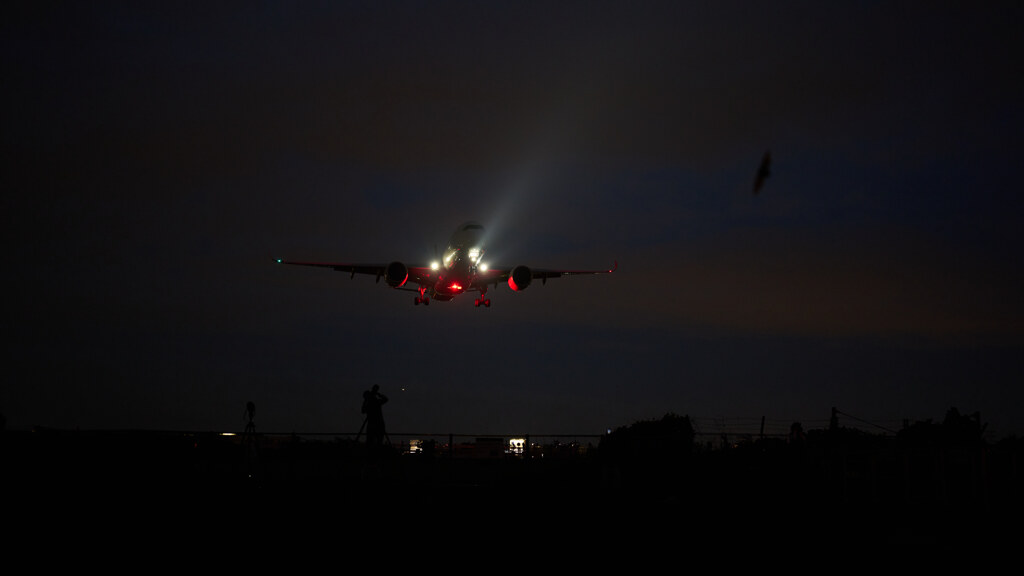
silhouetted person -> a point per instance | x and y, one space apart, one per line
250 412
763 172
372 402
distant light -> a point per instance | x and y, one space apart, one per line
455 286
516 445
227 433
279 260
435 265
483 267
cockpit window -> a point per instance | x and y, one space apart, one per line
449 257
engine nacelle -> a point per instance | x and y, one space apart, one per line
520 278
396 274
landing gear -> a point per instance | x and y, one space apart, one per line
421 299
482 300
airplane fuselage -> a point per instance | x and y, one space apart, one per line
460 263
452 281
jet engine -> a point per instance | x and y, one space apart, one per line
396 274
520 278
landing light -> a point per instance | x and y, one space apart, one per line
483 267
435 265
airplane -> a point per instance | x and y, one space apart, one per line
460 270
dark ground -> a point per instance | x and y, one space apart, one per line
873 496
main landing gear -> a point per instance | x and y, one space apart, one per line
421 299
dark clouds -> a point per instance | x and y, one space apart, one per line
158 158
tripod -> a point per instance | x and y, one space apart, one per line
384 432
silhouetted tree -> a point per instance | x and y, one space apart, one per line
651 453
958 428
669 437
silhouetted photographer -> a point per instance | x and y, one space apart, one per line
372 402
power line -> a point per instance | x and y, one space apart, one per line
836 411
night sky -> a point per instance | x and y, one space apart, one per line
158 158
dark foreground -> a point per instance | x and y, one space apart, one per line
859 502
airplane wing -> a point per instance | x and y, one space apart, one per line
545 273
520 273
417 274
